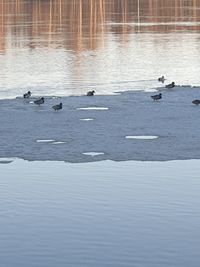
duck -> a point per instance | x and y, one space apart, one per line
27 95
171 85
39 101
57 107
156 97
161 79
196 102
90 93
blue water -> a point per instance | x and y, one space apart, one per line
100 214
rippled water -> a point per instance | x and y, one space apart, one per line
68 47
100 214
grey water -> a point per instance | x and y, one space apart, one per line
100 214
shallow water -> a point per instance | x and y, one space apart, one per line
100 214
69 47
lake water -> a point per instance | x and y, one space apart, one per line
100 214
64 47
104 213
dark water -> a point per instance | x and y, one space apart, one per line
67 47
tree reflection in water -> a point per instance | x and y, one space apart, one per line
78 24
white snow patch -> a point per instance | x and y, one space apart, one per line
88 119
45 141
93 108
142 137
58 142
93 153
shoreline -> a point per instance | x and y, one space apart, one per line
6 161
114 93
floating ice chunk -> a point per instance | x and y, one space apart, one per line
93 108
58 142
93 153
88 119
45 141
51 142
142 137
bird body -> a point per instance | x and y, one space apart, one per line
156 97
90 93
27 95
171 85
161 79
196 102
57 107
39 101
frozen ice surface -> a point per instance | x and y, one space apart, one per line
174 120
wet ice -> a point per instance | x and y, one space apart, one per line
133 127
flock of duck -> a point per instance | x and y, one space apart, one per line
57 107
40 101
156 97
169 86
159 96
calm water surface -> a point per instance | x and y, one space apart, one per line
100 214
68 47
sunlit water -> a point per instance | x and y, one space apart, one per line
70 47
100 214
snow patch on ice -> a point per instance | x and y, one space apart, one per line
45 141
88 119
93 108
58 142
93 153
142 137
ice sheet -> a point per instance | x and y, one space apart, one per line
174 120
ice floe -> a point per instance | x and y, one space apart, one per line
133 127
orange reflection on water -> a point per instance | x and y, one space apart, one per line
83 24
